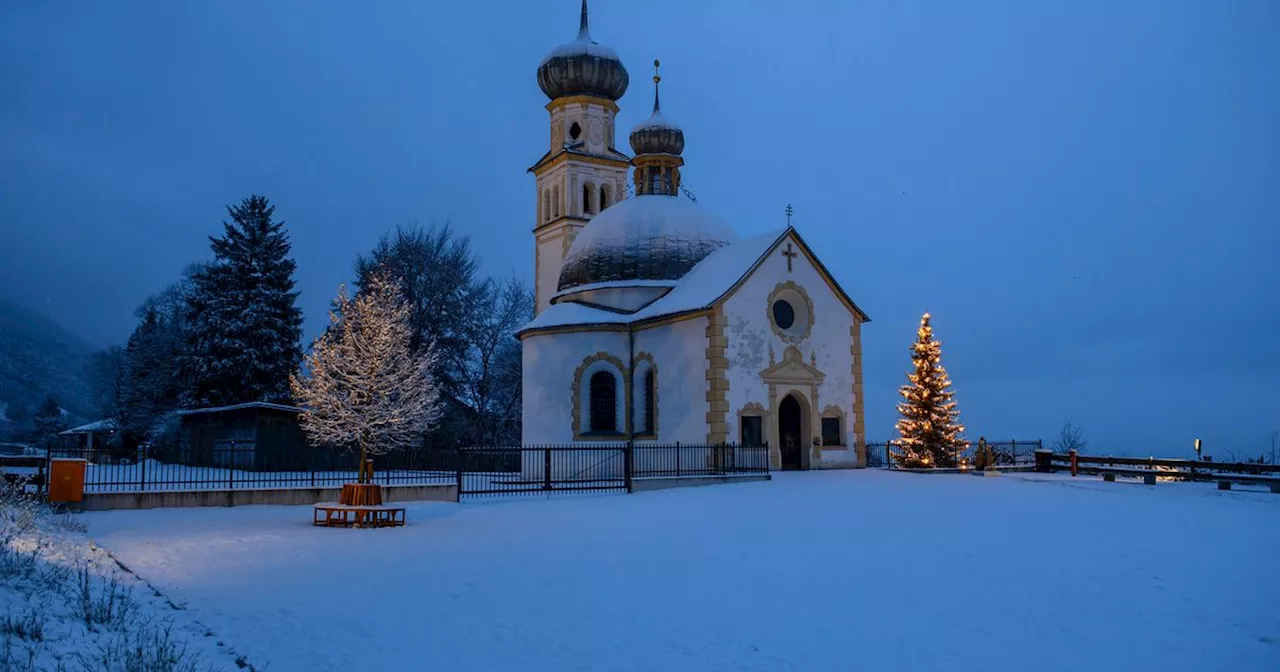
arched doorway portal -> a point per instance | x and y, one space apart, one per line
790 432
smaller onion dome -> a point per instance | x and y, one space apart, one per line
583 68
657 135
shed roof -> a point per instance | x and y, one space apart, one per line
237 407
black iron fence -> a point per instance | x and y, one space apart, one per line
1004 453
239 465
231 465
485 472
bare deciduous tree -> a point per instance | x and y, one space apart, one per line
488 371
1070 438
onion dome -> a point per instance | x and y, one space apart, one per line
656 135
583 67
643 241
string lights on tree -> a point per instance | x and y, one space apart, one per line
364 386
929 429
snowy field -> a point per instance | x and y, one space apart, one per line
850 570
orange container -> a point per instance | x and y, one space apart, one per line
66 480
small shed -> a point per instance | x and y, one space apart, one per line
93 436
256 436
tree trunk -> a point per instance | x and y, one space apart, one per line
360 465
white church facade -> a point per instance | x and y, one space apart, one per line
655 322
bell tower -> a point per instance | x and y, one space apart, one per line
582 173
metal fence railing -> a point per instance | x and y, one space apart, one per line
245 466
240 465
1006 453
549 469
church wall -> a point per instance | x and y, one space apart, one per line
750 338
550 362
679 352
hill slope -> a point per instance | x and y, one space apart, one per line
38 357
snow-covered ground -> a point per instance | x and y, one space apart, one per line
849 570
66 604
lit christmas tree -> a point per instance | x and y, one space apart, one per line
929 427
364 386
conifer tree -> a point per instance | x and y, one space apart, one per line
929 429
244 326
364 385
48 420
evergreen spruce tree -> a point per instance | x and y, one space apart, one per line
244 326
152 387
930 433
48 420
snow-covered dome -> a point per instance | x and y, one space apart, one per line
582 67
657 135
644 241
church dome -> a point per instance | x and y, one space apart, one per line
657 135
650 240
583 67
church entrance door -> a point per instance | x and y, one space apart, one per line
789 432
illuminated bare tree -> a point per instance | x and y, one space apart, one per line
363 384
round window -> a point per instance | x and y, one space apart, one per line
783 314
575 130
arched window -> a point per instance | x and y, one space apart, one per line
546 205
644 396
555 201
587 190
604 403
604 197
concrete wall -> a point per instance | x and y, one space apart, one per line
281 496
750 338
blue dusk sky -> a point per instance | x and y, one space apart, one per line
1084 193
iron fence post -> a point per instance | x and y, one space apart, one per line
677 458
457 465
546 468
628 465
231 472
142 455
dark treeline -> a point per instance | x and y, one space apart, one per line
230 331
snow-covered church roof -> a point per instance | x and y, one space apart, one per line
654 239
711 278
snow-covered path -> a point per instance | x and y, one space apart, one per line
851 570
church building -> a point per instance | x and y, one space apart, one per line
655 322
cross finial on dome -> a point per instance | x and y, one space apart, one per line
582 23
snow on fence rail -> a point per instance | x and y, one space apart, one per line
1168 467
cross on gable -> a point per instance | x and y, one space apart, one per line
789 254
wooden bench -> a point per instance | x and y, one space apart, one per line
332 514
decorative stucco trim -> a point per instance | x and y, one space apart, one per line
621 372
789 287
644 363
833 411
717 378
855 367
